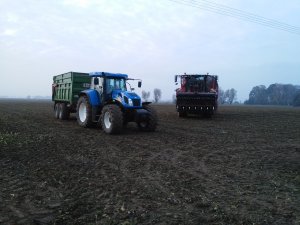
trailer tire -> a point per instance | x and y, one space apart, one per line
56 110
151 123
84 112
112 119
63 111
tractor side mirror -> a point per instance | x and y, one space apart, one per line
96 81
140 84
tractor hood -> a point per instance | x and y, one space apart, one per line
127 99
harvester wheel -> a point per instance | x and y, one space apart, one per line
56 110
151 123
63 111
112 119
84 112
182 114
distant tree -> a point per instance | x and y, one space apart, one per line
275 94
145 95
157 94
296 101
258 96
232 95
227 97
221 96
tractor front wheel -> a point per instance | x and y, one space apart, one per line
151 122
112 119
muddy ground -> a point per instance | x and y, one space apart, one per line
240 167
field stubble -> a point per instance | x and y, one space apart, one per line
240 167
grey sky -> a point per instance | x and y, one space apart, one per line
147 39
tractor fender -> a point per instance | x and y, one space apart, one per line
93 96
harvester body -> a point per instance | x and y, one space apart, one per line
198 94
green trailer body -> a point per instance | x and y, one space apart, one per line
66 87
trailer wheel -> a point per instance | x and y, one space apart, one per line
84 112
56 110
63 111
112 119
151 123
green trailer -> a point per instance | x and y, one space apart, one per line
65 91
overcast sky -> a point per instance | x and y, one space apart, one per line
148 39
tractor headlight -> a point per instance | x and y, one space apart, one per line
130 102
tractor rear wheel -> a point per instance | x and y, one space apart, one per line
112 119
151 123
84 112
63 111
56 110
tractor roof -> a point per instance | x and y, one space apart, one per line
106 74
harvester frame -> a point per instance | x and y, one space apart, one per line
198 94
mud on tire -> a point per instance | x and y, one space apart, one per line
151 123
84 112
112 119
63 111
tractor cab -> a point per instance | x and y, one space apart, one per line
112 87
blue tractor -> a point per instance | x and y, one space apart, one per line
105 101
109 102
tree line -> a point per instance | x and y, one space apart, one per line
156 95
228 96
275 94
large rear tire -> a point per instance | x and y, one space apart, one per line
151 123
84 112
63 111
112 119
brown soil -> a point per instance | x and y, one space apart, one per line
240 167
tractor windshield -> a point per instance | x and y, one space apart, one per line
113 83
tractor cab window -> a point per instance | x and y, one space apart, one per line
115 84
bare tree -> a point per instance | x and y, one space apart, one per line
232 95
228 96
157 94
221 96
145 95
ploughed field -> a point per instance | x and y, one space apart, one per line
240 167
